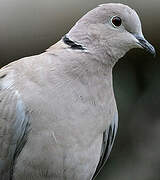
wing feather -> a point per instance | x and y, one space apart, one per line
14 126
107 143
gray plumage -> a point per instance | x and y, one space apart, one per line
58 116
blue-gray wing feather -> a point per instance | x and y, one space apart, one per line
107 143
14 127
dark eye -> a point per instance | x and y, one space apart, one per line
116 21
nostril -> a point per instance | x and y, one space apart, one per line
141 40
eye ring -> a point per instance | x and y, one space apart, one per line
116 21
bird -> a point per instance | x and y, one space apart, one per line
58 114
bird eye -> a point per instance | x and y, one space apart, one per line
116 21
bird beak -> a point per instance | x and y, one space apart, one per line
146 45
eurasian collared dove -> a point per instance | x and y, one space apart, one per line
58 116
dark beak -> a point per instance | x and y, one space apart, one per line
146 45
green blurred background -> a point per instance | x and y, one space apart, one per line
29 27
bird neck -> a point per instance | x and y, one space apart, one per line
87 67
92 45
81 63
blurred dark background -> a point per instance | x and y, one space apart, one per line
29 27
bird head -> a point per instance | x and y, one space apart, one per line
110 30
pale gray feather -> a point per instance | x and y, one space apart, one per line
107 143
14 126
65 97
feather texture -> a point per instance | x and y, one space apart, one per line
14 126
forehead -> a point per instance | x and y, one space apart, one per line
124 11
115 8
105 12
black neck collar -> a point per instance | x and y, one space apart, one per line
72 44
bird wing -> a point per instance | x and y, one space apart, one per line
107 143
14 124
